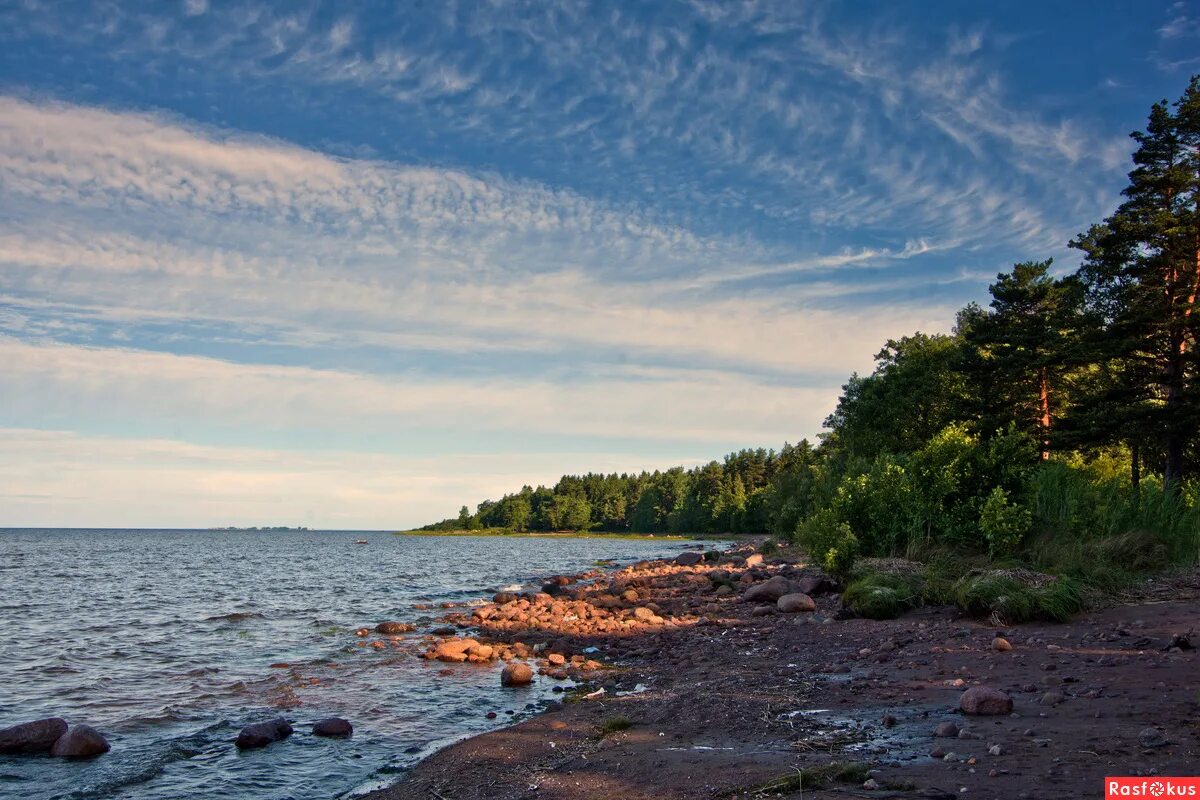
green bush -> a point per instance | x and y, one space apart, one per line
1003 524
829 541
768 547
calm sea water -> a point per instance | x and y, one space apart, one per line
163 640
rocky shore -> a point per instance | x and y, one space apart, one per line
738 676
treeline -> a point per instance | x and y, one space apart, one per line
1064 411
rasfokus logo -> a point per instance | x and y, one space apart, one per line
1164 787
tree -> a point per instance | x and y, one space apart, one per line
1142 270
1025 346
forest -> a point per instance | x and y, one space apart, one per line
1055 427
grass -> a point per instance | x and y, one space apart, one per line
811 778
884 596
1009 597
615 725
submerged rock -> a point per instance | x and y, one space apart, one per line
32 737
81 741
332 726
395 627
516 674
261 734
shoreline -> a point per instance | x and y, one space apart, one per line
651 537
729 698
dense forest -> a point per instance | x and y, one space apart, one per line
1066 410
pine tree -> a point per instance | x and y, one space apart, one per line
1142 270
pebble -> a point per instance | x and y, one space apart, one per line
1151 738
995 750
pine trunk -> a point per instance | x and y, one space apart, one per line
1044 407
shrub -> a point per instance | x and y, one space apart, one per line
1003 524
768 547
829 541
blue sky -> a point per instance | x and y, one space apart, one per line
353 265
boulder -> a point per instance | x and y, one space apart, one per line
796 602
454 650
753 560
985 701
81 741
816 585
946 730
503 598
32 737
1001 644
769 590
332 726
516 674
261 734
395 627
689 559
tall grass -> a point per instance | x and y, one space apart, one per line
1080 517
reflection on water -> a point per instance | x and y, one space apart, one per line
165 641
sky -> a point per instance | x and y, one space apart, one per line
355 265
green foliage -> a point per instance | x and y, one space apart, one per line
1003 523
829 541
768 547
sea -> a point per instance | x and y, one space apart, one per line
170 641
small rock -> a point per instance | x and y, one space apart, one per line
946 730
32 737
888 721
81 741
870 784
557 659
985 701
332 726
493 715
995 750
1151 738
689 559
1001 644
754 560
968 735
795 603
1051 699
262 734
937 752
516 674
395 627
630 596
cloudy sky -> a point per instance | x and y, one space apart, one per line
353 265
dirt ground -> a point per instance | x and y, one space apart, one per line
731 703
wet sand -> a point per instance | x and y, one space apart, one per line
731 702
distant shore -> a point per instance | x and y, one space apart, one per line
657 537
